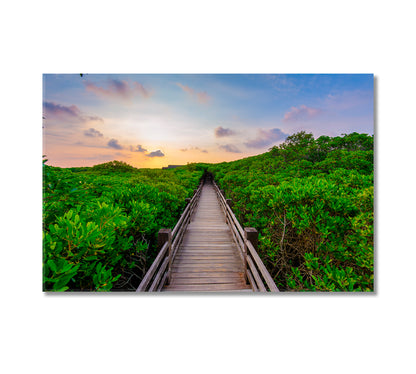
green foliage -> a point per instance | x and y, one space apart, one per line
100 223
312 202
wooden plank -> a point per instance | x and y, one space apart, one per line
205 280
206 239
208 274
197 260
206 287
206 252
206 263
207 229
204 256
201 270
194 277
205 267
208 246
197 248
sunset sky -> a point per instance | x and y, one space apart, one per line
155 120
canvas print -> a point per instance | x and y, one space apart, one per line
197 183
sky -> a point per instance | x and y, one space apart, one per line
155 120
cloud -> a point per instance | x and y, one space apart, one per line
193 149
266 137
201 97
82 144
118 89
283 84
53 109
138 148
93 133
303 113
71 113
157 153
113 143
229 148
221 132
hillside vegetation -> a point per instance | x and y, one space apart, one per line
312 202
100 223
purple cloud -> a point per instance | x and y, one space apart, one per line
157 153
193 149
113 143
93 133
303 113
138 148
59 110
266 137
230 148
221 132
66 113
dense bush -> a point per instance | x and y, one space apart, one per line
312 202
100 223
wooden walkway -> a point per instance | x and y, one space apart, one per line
207 258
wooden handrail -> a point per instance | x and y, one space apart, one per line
159 272
254 269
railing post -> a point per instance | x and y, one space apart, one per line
253 235
230 203
222 193
165 235
187 200
250 233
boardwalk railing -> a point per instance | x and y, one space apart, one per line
168 242
246 240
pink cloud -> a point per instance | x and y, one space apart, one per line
301 114
202 97
118 89
66 113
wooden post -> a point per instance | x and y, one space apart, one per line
230 203
250 233
222 193
187 200
253 235
165 235
195 191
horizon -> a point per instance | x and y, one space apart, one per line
156 120
188 163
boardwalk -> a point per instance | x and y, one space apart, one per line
207 259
